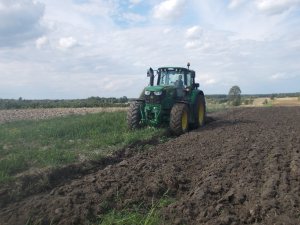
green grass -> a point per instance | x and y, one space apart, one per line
215 107
59 141
136 215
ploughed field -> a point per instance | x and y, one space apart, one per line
242 168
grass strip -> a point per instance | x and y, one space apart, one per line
27 145
137 215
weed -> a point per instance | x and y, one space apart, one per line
215 107
137 215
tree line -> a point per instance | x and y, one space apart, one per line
236 98
64 103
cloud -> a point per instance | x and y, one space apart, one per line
194 36
276 6
135 2
67 42
169 10
282 76
206 79
194 32
235 3
20 21
207 41
133 17
40 42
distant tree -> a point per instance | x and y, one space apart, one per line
272 97
234 95
123 99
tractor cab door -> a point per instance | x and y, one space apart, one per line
188 81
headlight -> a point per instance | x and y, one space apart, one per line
157 92
147 92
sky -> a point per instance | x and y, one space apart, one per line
53 49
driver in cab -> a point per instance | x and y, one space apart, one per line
179 82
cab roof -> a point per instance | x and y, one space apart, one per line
174 68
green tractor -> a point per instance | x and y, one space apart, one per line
174 100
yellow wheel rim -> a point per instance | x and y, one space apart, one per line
184 120
201 114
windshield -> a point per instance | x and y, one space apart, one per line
172 77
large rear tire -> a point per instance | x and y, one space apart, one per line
200 111
134 115
179 119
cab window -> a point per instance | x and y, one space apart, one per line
189 79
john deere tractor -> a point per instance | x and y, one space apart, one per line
173 98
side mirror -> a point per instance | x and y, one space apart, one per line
196 85
150 72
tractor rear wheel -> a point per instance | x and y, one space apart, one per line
134 115
200 111
179 119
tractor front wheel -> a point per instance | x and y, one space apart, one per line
179 119
134 115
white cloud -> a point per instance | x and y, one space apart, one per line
40 42
19 21
135 2
192 44
207 41
282 76
235 3
276 6
206 79
133 17
194 32
169 9
67 42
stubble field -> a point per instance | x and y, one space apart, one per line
38 114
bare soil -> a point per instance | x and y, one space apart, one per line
38 114
242 168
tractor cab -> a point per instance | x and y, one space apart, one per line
180 79
173 76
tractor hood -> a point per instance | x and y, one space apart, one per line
158 88
154 88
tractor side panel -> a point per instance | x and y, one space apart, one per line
169 99
195 93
